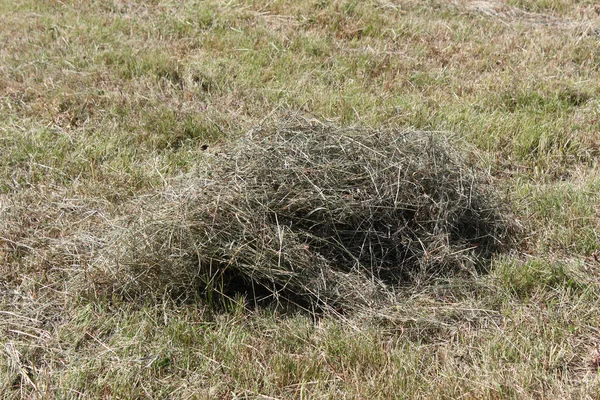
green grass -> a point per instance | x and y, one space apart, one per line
104 102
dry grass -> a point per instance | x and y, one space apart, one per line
317 215
105 111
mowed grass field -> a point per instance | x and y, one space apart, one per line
106 102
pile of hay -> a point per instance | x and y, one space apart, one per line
316 215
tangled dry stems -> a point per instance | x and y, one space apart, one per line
316 215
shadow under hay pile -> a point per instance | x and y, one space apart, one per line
318 216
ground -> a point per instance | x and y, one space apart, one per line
105 102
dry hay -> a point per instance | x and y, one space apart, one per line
314 215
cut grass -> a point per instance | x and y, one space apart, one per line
103 103
313 214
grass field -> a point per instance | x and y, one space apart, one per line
106 102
